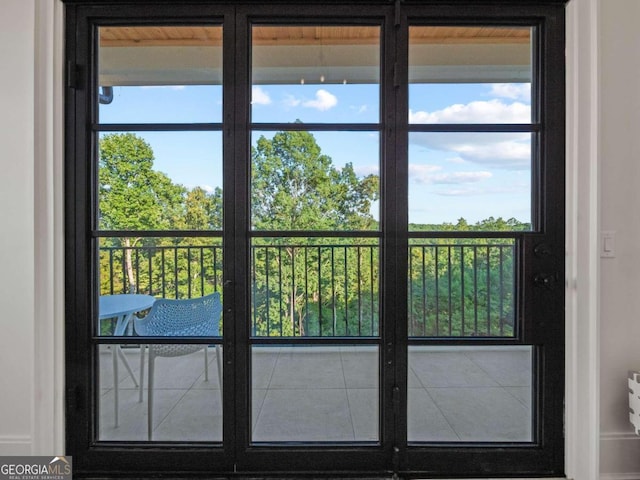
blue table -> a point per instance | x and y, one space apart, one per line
121 307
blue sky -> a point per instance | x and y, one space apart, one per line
452 175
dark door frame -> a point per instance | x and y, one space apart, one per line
541 250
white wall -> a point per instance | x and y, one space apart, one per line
17 224
31 273
620 211
30 250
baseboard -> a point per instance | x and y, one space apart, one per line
620 476
617 436
15 445
619 456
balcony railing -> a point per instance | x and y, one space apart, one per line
454 290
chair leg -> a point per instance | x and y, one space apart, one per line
123 357
114 358
206 363
142 349
150 394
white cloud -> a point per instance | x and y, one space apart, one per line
474 191
420 173
492 111
457 160
364 170
460 192
514 91
290 101
455 178
323 101
431 174
505 154
511 151
259 96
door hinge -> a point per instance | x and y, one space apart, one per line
73 75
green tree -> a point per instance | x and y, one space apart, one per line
132 195
475 280
296 187
203 211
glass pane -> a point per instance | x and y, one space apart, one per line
314 287
470 74
315 394
315 181
462 288
328 74
160 181
470 181
180 386
470 394
160 287
170 74
136 272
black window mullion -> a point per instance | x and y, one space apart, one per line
475 127
396 222
157 127
231 248
239 166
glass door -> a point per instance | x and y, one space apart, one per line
320 241
151 252
469 203
156 172
484 246
314 235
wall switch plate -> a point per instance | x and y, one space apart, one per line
608 244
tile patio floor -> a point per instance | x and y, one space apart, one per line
455 394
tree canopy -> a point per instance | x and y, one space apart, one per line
132 195
299 286
296 187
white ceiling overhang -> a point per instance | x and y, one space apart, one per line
201 65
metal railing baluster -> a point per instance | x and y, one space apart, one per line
487 276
